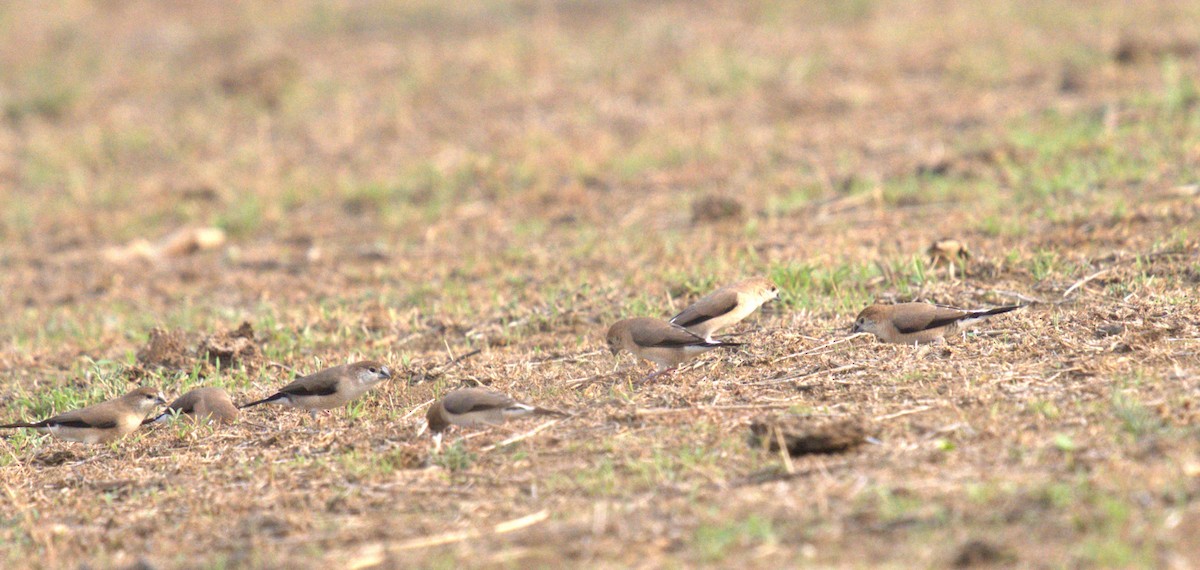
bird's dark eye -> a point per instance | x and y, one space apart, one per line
372 370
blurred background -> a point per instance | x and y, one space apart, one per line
174 161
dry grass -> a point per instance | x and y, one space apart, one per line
415 182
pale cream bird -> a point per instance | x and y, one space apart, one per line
919 323
202 405
659 342
726 306
330 388
100 423
473 407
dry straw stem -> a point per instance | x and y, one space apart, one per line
784 454
810 375
522 436
1084 281
903 413
815 349
418 409
696 409
376 554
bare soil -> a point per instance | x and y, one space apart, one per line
473 191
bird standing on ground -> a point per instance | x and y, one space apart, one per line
470 407
919 323
201 405
659 342
329 388
100 423
726 306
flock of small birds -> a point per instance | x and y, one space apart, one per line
667 344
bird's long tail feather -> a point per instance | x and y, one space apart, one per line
982 313
266 400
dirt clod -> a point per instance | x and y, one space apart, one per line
54 458
164 349
265 80
709 209
1134 49
232 348
978 552
805 434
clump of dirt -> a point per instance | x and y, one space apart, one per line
804 435
230 349
1134 49
265 80
980 552
54 458
376 319
165 349
406 457
716 209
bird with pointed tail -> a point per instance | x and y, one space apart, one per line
920 323
330 388
662 343
726 306
477 407
100 423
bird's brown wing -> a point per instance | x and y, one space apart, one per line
323 383
713 305
664 336
474 400
921 317
89 417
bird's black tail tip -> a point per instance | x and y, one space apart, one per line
1002 310
257 402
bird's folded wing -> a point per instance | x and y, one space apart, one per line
475 400
83 419
665 336
714 305
319 384
926 317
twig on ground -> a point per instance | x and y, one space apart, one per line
588 380
416 409
457 359
569 357
823 346
375 554
808 374
522 436
903 413
783 451
1018 296
1083 282
662 411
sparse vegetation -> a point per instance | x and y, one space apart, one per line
413 182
